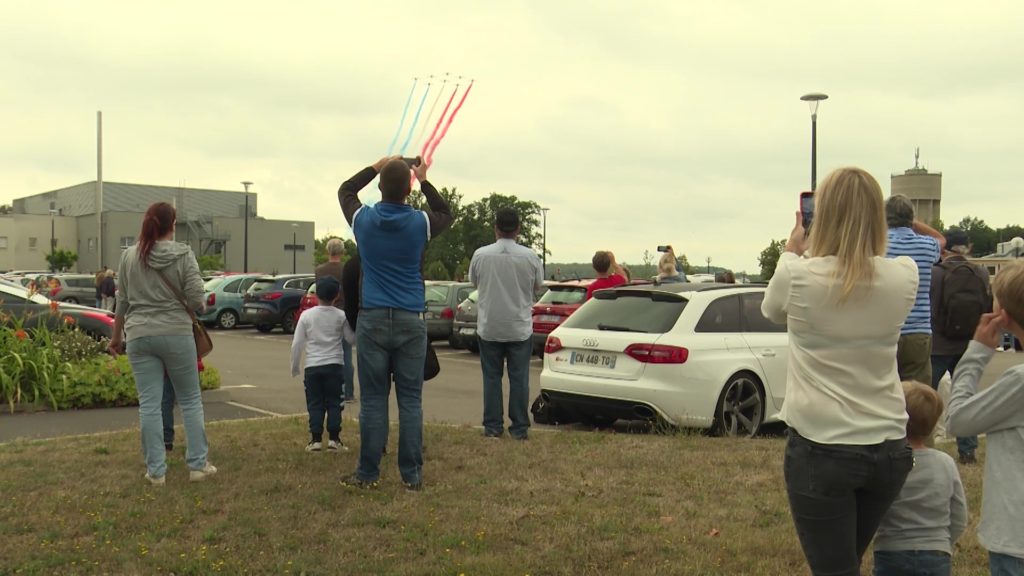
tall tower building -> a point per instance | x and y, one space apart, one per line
924 189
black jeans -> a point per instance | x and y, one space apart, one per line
838 494
325 387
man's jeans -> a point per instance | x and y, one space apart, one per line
917 562
913 357
838 494
941 364
167 410
324 388
151 357
391 342
493 358
1005 565
349 371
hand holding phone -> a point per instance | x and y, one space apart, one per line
807 209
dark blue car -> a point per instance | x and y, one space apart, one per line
273 301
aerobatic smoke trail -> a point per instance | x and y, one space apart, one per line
426 123
440 120
415 119
404 112
429 157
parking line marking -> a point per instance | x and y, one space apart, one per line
255 409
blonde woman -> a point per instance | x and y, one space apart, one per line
844 304
667 272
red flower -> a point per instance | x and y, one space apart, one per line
20 334
54 305
69 320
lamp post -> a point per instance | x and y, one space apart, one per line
813 99
53 241
295 246
709 264
245 241
544 241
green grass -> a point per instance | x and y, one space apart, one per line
563 503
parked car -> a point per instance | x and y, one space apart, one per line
693 355
464 325
557 304
441 299
309 299
72 288
273 301
224 299
35 310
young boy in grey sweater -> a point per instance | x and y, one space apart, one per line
997 411
917 534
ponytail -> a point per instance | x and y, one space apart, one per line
158 221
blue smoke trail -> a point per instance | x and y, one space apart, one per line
415 119
402 121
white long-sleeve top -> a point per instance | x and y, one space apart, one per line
842 386
319 333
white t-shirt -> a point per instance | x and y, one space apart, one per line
319 332
843 386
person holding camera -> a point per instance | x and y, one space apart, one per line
667 272
609 273
844 303
391 334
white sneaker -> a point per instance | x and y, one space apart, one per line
200 475
156 481
336 446
314 447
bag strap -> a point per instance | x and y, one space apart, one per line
178 295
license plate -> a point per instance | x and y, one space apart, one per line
250 310
593 359
467 331
549 318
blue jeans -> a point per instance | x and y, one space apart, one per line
349 370
324 388
941 364
493 359
151 357
1005 565
167 410
838 494
913 562
390 343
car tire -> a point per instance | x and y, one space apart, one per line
597 421
740 409
71 300
264 327
289 319
454 343
474 347
227 319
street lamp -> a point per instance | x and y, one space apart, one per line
544 241
53 242
245 241
295 246
813 99
709 264
1018 244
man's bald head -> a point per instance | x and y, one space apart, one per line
395 181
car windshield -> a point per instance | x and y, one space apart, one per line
564 295
645 311
212 284
437 293
262 285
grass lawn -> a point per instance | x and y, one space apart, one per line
562 503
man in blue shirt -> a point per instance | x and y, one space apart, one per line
924 244
391 335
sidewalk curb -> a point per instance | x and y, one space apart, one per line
217 396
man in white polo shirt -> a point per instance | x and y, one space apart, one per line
506 275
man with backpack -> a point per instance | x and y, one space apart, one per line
960 294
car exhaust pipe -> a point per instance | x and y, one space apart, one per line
643 412
544 396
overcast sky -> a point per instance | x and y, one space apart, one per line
638 123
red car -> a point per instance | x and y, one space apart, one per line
308 301
557 304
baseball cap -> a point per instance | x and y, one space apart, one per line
956 238
327 288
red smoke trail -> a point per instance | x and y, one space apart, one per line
440 120
429 158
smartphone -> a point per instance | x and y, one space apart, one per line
807 208
412 162
663 248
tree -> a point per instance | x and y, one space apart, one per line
6 209
462 271
210 262
769 258
436 271
61 259
982 236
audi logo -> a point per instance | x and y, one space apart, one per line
591 342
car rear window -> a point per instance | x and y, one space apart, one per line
437 293
647 311
211 284
564 295
262 286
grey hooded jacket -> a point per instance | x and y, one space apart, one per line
148 306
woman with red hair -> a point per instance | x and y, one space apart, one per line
154 275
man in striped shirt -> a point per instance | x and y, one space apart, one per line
924 244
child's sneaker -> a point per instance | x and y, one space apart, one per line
200 475
336 446
314 447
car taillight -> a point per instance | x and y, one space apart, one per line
272 296
552 345
447 314
657 353
211 299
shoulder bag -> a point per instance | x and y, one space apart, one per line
204 345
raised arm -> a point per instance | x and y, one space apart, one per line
439 213
997 407
926 230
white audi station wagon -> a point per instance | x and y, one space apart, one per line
688 355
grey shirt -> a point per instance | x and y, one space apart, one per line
931 511
148 306
507 275
997 411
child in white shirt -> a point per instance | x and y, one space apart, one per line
319 332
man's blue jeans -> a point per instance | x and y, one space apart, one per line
493 358
917 562
349 371
151 357
1005 565
390 343
941 364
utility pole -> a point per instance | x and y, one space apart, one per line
709 264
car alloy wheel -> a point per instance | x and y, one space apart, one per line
288 320
227 319
71 300
741 407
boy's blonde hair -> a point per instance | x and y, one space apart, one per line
924 407
1008 288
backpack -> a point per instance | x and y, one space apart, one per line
964 299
